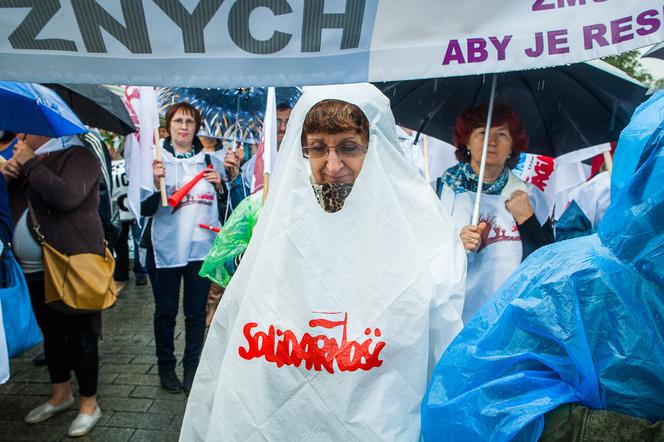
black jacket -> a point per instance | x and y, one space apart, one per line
95 144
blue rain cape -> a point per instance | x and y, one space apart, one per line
581 321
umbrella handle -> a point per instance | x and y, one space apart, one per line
485 146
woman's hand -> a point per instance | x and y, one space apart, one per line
158 172
22 153
213 177
10 170
519 206
232 165
471 236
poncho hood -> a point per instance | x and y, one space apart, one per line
632 227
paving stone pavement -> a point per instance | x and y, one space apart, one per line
134 407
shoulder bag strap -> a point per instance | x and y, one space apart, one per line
35 224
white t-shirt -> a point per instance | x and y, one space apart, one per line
27 250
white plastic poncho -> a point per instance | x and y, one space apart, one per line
333 322
176 237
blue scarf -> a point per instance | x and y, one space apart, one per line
461 178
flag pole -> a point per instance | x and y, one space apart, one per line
608 160
269 138
266 185
485 146
162 181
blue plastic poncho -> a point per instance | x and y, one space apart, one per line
581 321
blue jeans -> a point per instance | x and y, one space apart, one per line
166 292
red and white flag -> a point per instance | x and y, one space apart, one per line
141 102
556 177
267 149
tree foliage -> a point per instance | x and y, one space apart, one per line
630 63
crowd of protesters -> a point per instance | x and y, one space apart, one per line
60 191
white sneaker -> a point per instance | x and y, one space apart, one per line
84 423
45 411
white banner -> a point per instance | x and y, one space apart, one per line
119 198
232 43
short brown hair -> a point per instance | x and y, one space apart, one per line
187 109
334 116
475 117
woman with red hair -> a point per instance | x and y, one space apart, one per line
514 215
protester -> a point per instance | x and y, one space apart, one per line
60 178
122 253
129 225
228 249
177 246
514 216
210 144
283 115
586 206
96 144
239 163
381 292
6 226
579 323
163 132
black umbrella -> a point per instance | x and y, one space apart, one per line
564 108
97 106
657 51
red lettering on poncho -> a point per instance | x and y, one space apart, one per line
318 352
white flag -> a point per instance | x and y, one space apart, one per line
267 150
141 102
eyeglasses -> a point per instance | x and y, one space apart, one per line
182 122
344 150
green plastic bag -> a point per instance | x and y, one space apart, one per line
231 242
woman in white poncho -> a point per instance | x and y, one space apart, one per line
350 290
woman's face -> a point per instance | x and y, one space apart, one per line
182 128
33 141
209 144
499 148
336 168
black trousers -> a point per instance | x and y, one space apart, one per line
122 252
166 292
70 341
